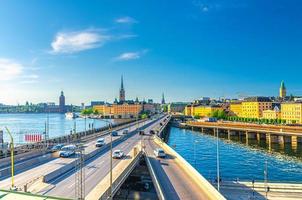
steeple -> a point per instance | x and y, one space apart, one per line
122 90
122 83
282 90
163 99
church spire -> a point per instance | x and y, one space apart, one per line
163 99
122 91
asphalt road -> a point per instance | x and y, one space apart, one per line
95 170
37 171
175 183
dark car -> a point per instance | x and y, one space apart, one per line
114 133
152 132
141 132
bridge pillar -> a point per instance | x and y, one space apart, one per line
202 129
229 134
281 141
246 137
294 141
268 141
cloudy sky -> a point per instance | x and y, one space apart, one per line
186 49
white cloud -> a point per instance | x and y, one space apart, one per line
72 42
9 69
131 55
126 20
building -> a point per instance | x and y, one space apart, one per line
272 114
282 90
96 103
236 109
253 107
291 112
122 91
62 108
200 110
177 107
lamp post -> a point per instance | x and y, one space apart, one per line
11 157
217 153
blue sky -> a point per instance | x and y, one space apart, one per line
186 49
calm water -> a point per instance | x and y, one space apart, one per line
19 124
236 160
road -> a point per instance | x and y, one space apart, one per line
37 171
175 183
95 170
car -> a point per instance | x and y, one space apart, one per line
118 154
141 132
67 151
160 153
100 142
57 147
152 132
125 132
114 133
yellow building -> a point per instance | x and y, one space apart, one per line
103 109
272 114
253 107
202 110
236 108
188 110
291 112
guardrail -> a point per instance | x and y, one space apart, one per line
155 181
206 187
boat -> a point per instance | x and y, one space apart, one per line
71 115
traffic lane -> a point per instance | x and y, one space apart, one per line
171 175
40 170
94 172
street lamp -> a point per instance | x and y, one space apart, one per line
11 157
217 156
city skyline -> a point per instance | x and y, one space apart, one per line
179 53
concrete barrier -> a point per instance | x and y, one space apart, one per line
203 184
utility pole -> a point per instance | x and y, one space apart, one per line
80 173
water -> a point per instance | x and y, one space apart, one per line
236 160
20 124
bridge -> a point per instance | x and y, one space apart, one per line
173 177
271 133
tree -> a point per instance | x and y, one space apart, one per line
96 112
87 111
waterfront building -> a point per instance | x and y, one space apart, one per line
253 107
62 108
122 91
272 114
282 90
236 108
291 112
200 110
177 107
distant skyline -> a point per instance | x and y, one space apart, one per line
184 49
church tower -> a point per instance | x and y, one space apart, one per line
122 91
282 91
163 99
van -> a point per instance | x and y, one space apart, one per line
67 151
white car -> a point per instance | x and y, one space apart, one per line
125 132
160 153
67 151
118 154
100 142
